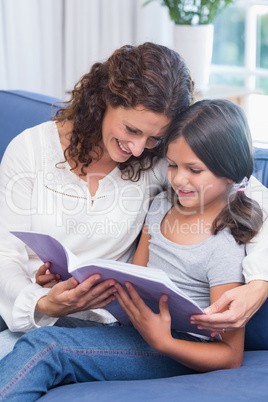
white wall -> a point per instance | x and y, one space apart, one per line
47 45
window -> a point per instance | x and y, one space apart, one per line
240 59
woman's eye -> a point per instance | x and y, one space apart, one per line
131 130
157 139
196 171
170 165
153 141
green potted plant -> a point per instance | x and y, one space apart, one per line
193 33
193 12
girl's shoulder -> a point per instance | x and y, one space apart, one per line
225 243
161 199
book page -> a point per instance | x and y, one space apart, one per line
47 248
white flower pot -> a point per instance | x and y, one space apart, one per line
194 43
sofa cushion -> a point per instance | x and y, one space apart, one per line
257 330
246 383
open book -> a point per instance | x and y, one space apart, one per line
150 283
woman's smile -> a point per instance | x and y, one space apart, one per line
125 151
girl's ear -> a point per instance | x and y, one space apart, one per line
230 181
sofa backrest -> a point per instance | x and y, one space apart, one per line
261 165
20 110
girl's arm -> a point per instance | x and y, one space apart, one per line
156 330
141 256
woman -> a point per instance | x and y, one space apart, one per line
87 177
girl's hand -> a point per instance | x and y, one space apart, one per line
154 328
70 296
45 278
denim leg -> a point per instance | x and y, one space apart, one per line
51 356
8 338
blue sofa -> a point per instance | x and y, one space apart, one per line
20 110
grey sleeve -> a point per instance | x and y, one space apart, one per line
225 263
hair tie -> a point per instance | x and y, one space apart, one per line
242 185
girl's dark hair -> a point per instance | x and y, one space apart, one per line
217 132
149 74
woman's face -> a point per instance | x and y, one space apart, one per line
127 132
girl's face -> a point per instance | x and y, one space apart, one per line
127 132
196 186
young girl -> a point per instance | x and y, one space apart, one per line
196 233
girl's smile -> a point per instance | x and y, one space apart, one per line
185 193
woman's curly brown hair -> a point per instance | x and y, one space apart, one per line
149 74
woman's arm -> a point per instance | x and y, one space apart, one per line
156 330
234 308
19 295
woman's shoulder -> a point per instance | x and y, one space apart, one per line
27 146
158 172
30 136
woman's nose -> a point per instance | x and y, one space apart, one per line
137 146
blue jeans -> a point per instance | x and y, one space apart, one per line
8 338
51 356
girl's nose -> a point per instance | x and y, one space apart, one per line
180 179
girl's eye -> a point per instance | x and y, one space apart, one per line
196 171
170 165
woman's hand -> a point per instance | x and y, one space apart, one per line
242 303
70 296
45 278
154 328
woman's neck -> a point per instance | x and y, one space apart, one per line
102 165
97 169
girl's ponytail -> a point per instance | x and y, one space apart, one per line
243 216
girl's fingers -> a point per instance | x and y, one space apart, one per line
125 301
